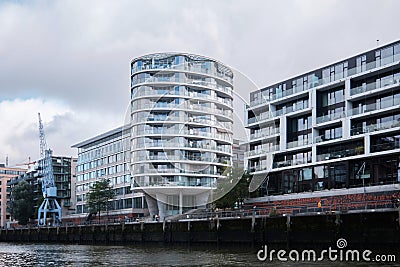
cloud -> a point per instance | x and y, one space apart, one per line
63 126
20 137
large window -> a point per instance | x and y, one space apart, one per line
385 142
371 124
340 150
305 179
376 171
330 104
330 133
299 130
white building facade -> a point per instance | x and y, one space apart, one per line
106 156
334 127
181 129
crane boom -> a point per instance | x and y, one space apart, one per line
47 166
42 137
49 205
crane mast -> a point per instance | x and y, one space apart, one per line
49 209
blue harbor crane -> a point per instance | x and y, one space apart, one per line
49 209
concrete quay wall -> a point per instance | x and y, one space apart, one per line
366 228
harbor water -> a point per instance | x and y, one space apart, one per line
13 254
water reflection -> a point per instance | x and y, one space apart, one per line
140 255
82 255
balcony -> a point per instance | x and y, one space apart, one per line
323 138
163 105
374 107
299 143
372 86
385 147
260 118
277 113
264 133
291 162
226 113
375 127
330 117
180 183
293 108
192 82
258 168
262 151
183 66
341 154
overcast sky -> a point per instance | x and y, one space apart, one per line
70 60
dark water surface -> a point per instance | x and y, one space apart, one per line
12 254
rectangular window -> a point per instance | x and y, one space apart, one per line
319 172
307 173
387 55
397 52
338 71
361 63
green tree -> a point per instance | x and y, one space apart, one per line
99 195
234 189
22 202
39 202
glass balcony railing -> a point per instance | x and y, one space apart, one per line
226 113
264 133
375 127
261 151
292 162
260 118
195 83
224 137
172 158
322 81
341 154
155 171
372 86
374 106
188 107
385 147
331 117
258 168
145 91
277 113
171 184
293 108
173 145
185 66
150 92
298 143
323 138
160 144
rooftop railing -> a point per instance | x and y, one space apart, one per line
183 66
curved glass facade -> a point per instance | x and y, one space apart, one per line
181 122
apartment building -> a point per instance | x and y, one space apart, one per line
181 129
334 127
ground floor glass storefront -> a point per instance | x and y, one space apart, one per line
344 174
